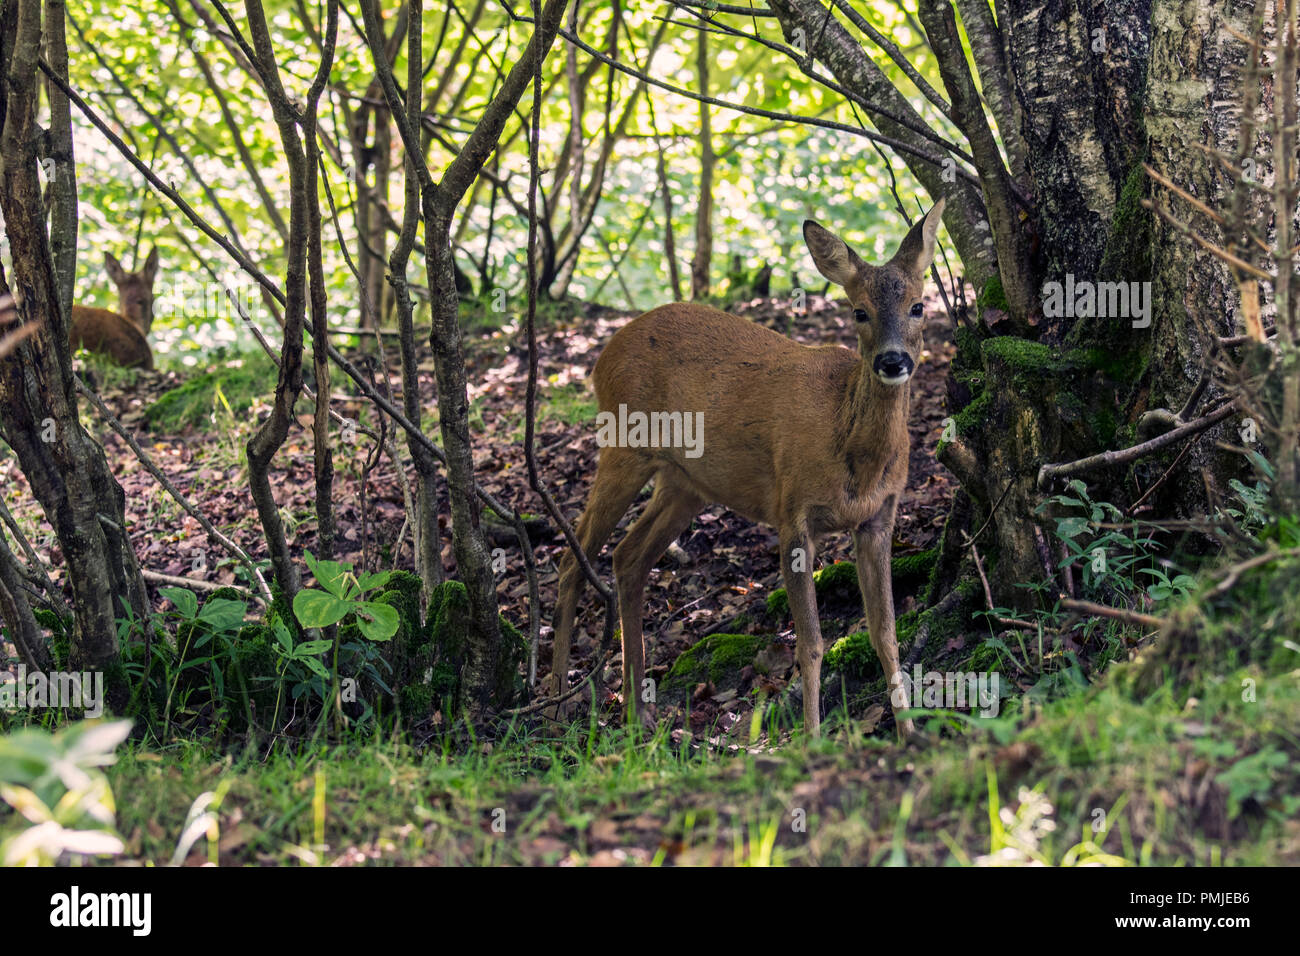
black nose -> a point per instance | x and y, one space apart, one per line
893 364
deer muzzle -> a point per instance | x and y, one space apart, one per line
893 367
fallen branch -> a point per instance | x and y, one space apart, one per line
1107 458
1234 573
1119 614
157 577
571 692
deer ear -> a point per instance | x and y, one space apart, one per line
115 270
916 251
833 258
151 266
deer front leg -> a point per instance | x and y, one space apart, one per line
797 571
872 547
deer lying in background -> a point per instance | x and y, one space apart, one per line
807 440
120 335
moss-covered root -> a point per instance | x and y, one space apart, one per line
718 659
839 581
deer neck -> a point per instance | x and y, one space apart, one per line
140 322
873 420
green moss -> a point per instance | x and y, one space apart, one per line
971 418
839 579
914 567
1128 253
835 581
227 389
853 656
992 296
1104 426
1020 355
968 348
227 594
778 604
1120 366
905 626
447 651
716 658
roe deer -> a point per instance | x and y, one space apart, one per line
120 335
808 440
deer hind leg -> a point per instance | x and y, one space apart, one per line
797 571
620 476
668 514
872 547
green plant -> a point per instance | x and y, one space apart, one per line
342 595
54 782
1109 557
206 637
1179 585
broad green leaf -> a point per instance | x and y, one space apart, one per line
316 667
379 622
317 609
312 648
187 605
223 614
331 575
1071 527
371 580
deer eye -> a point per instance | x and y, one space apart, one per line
917 310
860 315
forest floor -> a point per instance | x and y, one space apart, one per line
1080 766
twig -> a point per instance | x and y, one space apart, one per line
988 597
1123 456
1234 573
1128 512
1119 614
571 692
157 577
970 542
38 566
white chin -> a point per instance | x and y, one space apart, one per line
895 380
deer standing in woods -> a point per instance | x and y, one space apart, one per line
120 335
807 440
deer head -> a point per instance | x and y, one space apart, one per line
886 299
134 289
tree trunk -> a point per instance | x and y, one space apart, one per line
66 468
1083 92
1086 384
704 211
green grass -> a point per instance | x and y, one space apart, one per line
225 390
1169 783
